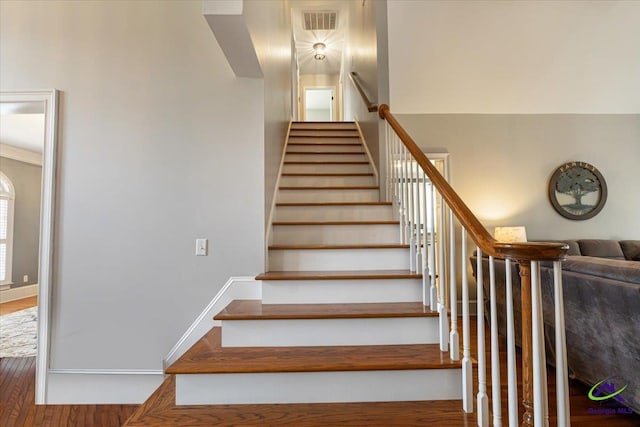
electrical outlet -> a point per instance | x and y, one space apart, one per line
201 247
25 278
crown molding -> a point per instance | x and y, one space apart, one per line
20 154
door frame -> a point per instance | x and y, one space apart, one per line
50 99
333 101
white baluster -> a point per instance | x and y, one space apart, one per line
412 219
442 289
467 367
433 291
387 145
540 412
403 204
562 385
416 215
396 176
405 201
512 371
495 350
454 340
482 398
425 243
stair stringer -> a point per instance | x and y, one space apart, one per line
236 288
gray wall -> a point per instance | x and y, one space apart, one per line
501 165
159 144
26 179
269 22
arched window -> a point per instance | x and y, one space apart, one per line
7 195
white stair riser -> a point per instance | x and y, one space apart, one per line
326 168
336 234
326 181
326 147
334 213
338 259
327 126
339 195
314 157
319 387
323 133
341 291
312 140
325 332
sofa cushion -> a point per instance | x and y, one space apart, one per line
631 249
622 270
601 248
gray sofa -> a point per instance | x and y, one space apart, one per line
601 284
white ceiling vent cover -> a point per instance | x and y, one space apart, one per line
320 20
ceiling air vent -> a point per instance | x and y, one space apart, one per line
320 20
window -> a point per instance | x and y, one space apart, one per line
7 194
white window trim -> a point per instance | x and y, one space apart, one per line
10 197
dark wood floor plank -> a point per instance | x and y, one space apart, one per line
17 407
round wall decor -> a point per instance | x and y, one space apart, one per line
577 190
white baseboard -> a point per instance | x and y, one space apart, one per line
18 293
89 387
235 288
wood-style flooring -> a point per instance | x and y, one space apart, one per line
17 305
17 408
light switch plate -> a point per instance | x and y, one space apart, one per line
202 247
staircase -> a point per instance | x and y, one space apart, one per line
341 319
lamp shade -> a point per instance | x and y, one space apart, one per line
510 234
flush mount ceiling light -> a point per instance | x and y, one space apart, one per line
319 48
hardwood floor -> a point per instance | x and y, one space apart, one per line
17 305
17 408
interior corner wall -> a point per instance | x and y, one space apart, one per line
269 23
26 179
159 144
361 56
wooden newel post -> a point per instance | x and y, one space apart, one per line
527 350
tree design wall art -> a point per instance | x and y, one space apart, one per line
577 190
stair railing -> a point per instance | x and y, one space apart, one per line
418 191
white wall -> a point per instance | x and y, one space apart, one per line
269 23
501 165
365 54
159 144
514 56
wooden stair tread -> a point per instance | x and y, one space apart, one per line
311 247
331 187
256 310
325 174
320 135
207 356
333 144
331 153
160 410
339 275
325 163
333 204
336 223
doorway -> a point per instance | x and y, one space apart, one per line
319 104
23 109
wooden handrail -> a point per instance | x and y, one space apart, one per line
370 105
517 251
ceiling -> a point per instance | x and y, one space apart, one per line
305 39
22 125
